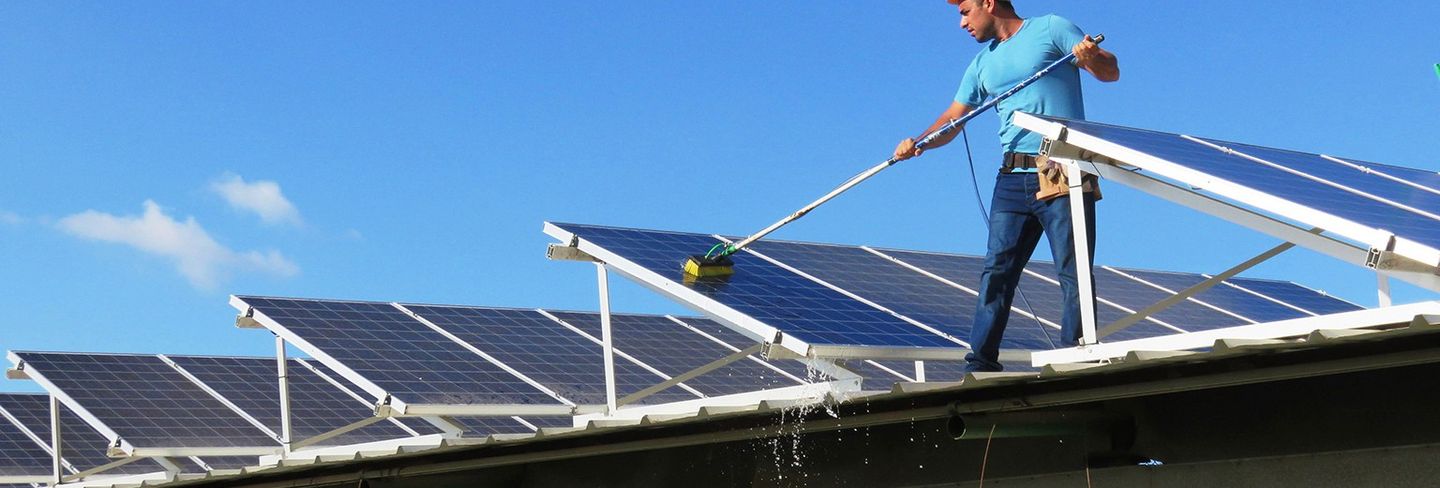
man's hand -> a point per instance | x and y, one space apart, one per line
1098 62
1086 51
907 150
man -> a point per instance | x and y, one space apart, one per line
1014 49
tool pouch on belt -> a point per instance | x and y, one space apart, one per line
1054 183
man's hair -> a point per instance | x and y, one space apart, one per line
1005 4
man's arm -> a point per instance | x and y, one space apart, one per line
906 149
1099 62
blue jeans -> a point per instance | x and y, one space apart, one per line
1016 221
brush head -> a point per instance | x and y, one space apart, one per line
698 266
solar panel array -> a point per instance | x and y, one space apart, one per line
559 351
541 348
316 406
397 353
1403 201
145 400
82 446
880 298
674 350
20 455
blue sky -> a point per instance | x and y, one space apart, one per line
411 152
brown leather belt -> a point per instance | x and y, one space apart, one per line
1013 161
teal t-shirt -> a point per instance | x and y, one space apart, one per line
1002 65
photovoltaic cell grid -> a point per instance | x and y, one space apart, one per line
766 292
889 285
146 401
1036 295
1247 305
1310 301
19 454
398 353
542 349
675 350
1419 223
82 446
316 406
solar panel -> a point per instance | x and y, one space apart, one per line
1039 293
1308 301
144 400
83 447
943 308
675 350
396 353
537 346
1366 184
19 454
1360 205
1229 298
933 289
316 406
769 294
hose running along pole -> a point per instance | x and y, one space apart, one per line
924 141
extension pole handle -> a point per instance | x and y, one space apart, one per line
801 213
924 141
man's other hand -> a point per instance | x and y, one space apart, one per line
1086 51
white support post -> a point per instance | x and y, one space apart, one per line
282 370
57 464
1382 283
611 402
919 371
1082 254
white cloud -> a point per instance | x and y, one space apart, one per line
196 255
262 197
10 218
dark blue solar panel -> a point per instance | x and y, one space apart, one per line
537 346
1037 296
19 454
146 401
316 406
398 353
1275 182
1296 295
675 350
1426 178
1135 295
1316 166
84 447
777 297
896 287
1229 298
